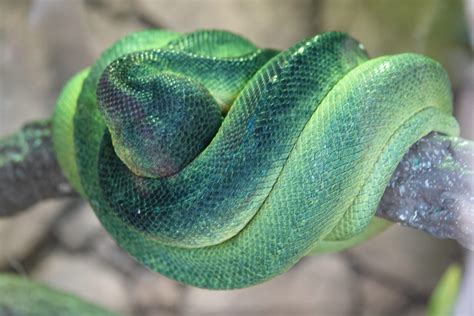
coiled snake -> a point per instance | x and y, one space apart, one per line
221 165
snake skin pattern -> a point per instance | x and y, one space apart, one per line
220 164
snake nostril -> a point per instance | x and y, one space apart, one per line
158 122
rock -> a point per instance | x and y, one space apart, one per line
425 27
76 230
105 248
23 68
37 57
67 49
416 311
86 277
108 21
21 234
115 8
151 291
379 299
316 286
277 24
409 256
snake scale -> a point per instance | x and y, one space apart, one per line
220 164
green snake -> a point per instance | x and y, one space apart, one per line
221 165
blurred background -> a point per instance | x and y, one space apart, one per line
61 243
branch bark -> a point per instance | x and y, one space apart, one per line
29 171
432 189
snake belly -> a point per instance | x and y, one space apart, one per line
294 160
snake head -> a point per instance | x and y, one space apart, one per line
159 121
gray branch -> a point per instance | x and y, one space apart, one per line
432 188
29 171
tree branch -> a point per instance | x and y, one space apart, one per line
29 171
432 188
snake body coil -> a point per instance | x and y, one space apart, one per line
310 138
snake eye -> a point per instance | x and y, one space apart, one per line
159 121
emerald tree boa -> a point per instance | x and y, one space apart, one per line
220 164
